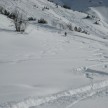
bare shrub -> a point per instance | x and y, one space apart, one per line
31 19
69 26
1 9
97 22
75 28
42 21
20 20
79 29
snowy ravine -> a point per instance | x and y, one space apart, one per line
43 67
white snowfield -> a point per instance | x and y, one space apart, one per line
43 68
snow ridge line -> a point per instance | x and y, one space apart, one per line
29 102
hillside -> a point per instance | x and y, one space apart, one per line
82 5
62 63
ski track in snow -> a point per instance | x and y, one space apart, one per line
64 99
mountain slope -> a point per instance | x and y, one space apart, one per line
59 17
43 67
82 4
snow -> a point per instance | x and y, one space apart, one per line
93 102
43 68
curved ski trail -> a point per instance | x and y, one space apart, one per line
63 99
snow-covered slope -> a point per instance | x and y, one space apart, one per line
59 17
43 68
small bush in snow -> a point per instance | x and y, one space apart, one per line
69 26
85 32
31 19
42 21
97 22
12 16
79 29
1 10
45 8
6 13
75 28
88 17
